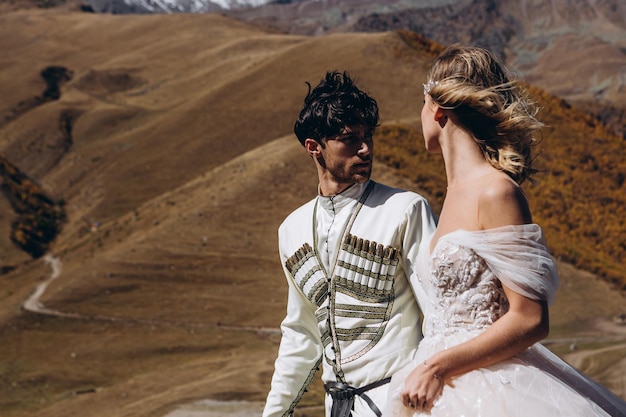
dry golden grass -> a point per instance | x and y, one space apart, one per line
182 152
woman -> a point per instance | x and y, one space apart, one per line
486 278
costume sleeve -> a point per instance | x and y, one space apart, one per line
299 354
420 226
518 256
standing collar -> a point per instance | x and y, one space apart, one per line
337 201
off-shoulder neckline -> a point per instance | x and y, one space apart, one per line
500 229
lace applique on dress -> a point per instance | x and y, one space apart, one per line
463 297
467 293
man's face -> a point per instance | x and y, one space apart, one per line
348 156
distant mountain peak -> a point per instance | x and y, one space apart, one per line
172 6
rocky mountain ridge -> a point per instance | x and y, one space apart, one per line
575 49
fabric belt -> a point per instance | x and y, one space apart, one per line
343 397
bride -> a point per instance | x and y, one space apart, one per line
486 277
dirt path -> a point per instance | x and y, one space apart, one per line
612 333
34 305
589 357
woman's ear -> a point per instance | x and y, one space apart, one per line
440 116
312 147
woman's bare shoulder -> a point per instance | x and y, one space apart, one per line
502 202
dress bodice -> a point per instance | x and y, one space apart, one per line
461 287
463 293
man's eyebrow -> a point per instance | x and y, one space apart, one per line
351 135
345 135
357 133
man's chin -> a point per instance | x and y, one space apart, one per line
360 178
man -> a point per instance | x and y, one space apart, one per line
348 257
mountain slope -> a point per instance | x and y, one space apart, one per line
168 235
181 166
572 49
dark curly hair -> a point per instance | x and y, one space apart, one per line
336 102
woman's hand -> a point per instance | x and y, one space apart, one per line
421 388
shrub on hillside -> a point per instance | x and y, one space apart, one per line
579 197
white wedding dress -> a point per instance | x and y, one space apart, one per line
461 295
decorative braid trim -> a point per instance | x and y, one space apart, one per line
307 274
306 384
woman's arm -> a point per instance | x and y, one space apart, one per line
525 323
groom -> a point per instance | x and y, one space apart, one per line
348 256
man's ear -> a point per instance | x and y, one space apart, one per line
313 148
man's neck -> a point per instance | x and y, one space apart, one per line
328 191
351 192
331 188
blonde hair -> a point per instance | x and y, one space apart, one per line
472 83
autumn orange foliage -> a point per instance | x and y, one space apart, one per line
40 218
578 198
420 42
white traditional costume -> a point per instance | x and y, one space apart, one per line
348 260
462 296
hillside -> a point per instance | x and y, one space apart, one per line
572 49
169 143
